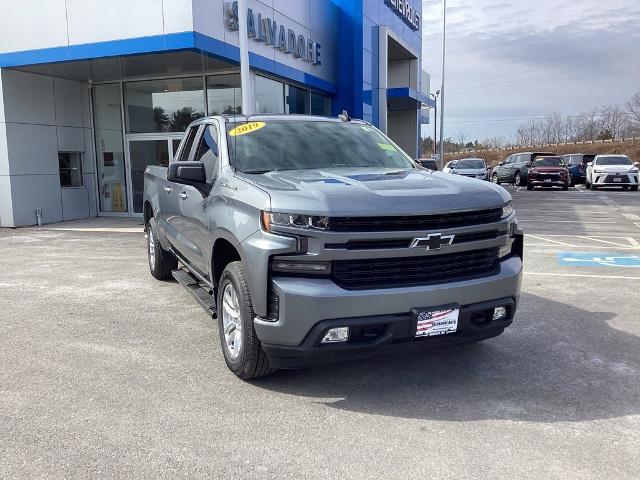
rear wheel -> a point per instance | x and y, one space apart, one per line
161 262
241 347
517 179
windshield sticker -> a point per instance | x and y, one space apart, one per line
246 128
387 146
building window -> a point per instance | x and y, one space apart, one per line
224 95
269 95
320 105
163 105
70 165
298 100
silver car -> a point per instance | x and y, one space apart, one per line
468 167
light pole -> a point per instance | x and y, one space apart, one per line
245 72
435 121
444 45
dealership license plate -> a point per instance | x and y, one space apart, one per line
617 179
436 322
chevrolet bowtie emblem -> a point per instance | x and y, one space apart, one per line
433 241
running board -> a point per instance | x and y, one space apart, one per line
200 293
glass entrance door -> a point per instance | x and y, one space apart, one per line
145 150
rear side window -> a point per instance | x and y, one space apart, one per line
208 151
186 150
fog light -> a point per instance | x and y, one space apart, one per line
336 335
499 313
504 251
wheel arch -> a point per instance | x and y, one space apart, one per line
226 249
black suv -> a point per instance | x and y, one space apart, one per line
515 167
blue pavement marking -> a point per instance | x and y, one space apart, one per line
598 259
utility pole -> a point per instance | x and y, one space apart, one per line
245 72
444 44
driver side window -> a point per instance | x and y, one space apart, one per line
208 152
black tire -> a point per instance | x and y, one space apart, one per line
572 182
161 262
249 361
593 187
517 179
529 186
634 188
494 179
565 187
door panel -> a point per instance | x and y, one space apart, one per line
143 153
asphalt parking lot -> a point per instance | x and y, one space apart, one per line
106 372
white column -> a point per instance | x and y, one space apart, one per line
248 104
383 70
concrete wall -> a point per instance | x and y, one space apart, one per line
402 128
43 115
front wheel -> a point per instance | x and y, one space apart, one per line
161 262
634 188
517 180
565 187
529 186
593 187
494 179
241 347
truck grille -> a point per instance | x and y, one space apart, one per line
415 271
384 244
411 223
548 176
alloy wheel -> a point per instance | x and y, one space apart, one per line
231 321
152 248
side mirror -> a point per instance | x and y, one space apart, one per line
188 173
590 164
637 164
501 164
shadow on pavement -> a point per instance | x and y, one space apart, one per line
555 363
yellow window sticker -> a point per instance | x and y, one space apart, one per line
246 128
387 146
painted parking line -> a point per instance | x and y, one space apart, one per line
598 259
583 241
612 277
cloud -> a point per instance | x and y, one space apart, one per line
508 60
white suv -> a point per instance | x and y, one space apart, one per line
612 171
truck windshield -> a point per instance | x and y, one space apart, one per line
260 147
470 164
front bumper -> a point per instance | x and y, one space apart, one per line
552 183
308 307
615 180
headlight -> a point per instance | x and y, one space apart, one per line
599 170
270 219
507 210
633 170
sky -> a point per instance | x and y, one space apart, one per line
510 60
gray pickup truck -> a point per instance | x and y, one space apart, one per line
316 239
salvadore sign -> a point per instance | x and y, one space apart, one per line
267 30
406 11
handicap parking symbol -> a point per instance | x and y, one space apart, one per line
598 259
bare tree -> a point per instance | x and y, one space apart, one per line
634 109
461 138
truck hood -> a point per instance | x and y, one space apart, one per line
375 191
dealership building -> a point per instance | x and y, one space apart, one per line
92 92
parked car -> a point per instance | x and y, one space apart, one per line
428 163
612 171
577 165
548 172
315 239
468 167
514 168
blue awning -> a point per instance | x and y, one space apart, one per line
405 98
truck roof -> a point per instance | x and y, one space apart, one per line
235 118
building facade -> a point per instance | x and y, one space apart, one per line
92 92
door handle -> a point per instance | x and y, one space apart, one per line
183 195
168 189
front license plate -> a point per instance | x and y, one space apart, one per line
547 180
436 322
617 179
